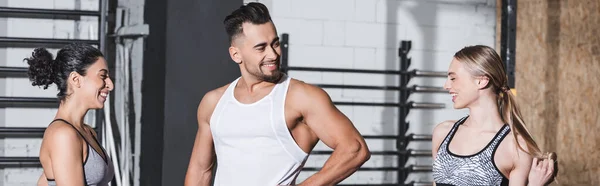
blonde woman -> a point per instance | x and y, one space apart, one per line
490 146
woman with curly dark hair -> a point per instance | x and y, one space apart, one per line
70 153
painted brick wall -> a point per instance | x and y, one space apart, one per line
86 28
360 34
365 34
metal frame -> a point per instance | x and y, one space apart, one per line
28 102
13 72
36 12
21 132
18 42
20 72
405 93
408 152
508 38
12 162
403 105
128 35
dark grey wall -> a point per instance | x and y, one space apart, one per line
153 93
186 56
197 61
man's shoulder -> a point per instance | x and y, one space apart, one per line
297 85
213 96
209 102
303 92
218 92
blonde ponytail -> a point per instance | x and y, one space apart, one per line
510 113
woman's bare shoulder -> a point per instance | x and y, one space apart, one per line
59 132
441 129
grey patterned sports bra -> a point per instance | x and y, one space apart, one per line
96 170
450 169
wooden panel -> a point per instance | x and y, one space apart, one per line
558 67
579 76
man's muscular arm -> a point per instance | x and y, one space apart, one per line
199 171
335 130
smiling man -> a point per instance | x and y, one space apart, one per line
260 128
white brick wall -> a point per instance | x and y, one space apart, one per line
31 117
361 34
365 34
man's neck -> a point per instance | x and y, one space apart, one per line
251 85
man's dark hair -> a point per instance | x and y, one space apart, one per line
255 13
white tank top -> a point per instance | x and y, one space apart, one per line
252 141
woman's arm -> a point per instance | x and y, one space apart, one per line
439 133
521 164
65 150
529 170
42 181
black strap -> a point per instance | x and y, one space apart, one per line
500 136
450 133
71 126
105 158
88 144
455 128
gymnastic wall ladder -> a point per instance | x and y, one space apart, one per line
98 38
404 106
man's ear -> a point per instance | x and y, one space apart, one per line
482 82
235 54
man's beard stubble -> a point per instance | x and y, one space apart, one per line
274 78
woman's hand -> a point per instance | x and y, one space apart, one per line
542 172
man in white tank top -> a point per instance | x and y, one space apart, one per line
260 128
